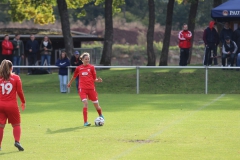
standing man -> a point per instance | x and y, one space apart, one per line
18 53
211 41
184 37
75 61
226 31
32 48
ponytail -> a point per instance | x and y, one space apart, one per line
5 69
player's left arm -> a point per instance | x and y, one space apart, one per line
93 70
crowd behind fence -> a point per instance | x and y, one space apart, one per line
206 68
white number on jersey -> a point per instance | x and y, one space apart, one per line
6 88
84 73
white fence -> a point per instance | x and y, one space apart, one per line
142 67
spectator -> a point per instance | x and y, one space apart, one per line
75 61
32 48
229 50
226 31
46 51
184 37
7 48
236 39
62 63
211 41
18 53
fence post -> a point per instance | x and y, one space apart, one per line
137 67
69 73
206 80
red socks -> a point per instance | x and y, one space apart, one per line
99 111
85 111
17 133
1 135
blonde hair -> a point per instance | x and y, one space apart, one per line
84 55
5 69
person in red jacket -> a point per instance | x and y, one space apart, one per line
7 48
10 87
87 76
184 37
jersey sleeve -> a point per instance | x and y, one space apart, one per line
20 91
76 72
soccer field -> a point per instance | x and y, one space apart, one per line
137 127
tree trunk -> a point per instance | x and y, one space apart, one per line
150 34
167 35
108 37
66 31
191 24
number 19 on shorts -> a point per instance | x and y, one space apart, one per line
6 88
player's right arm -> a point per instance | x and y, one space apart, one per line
76 72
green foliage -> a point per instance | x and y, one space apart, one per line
42 11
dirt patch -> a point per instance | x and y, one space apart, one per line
141 141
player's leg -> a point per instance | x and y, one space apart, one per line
3 120
93 97
13 115
1 134
83 96
17 135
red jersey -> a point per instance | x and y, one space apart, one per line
7 47
10 88
184 37
87 76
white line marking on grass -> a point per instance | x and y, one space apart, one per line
167 127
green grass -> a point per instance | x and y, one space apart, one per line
152 81
137 127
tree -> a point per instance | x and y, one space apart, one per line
66 31
167 35
42 13
150 34
191 23
108 37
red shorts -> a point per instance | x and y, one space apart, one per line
9 111
90 94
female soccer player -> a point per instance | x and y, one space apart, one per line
87 77
10 86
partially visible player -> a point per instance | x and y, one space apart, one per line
87 77
10 87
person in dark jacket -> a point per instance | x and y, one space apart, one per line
18 53
236 39
32 48
62 63
75 61
46 51
211 41
226 31
229 50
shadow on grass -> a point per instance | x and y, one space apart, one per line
49 131
6 153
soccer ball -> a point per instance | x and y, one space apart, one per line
99 121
